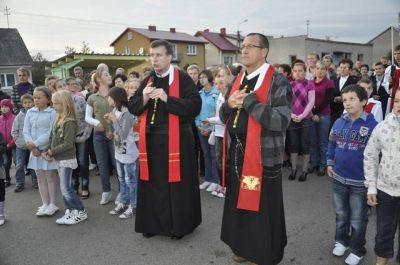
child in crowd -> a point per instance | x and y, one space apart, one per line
37 129
83 133
209 95
302 104
382 178
21 152
74 87
373 106
3 148
131 86
223 81
6 121
62 150
98 106
347 141
126 152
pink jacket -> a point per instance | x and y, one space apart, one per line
6 122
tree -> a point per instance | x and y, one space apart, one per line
85 48
69 50
39 68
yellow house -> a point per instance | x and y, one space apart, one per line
187 49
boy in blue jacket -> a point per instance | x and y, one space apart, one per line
347 140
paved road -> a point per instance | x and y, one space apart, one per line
104 239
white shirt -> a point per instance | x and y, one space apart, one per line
342 81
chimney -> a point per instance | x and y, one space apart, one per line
152 28
206 30
223 31
172 30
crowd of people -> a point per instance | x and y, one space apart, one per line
236 126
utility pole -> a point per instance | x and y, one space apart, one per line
7 14
308 24
238 38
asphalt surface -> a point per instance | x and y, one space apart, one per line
105 239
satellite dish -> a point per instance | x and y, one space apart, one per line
141 50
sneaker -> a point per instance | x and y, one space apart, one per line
76 217
216 191
42 210
212 187
130 212
105 198
19 189
61 221
92 166
120 208
221 194
339 249
204 185
353 259
51 209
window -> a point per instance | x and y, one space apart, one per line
360 57
192 50
228 60
127 50
292 58
175 52
130 35
7 80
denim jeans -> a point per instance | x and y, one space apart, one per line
127 180
8 157
20 155
350 204
210 160
71 199
104 149
319 134
82 171
387 216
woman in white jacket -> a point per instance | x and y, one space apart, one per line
383 180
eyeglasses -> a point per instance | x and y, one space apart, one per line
251 46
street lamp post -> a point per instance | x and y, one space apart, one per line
238 37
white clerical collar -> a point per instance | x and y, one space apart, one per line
170 72
344 77
262 70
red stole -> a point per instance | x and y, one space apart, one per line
174 169
252 173
369 107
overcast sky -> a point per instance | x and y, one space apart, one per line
50 25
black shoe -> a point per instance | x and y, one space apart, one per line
19 188
7 183
148 235
176 237
303 177
28 172
292 175
321 172
287 163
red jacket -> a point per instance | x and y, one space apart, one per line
6 122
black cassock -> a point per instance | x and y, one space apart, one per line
259 237
163 208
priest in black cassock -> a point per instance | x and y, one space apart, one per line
257 114
168 198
